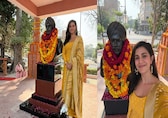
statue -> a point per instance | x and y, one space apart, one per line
50 45
46 101
50 51
115 63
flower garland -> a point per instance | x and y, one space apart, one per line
48 46
116 69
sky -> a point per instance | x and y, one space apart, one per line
88 30
132 7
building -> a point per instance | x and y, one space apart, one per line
144 15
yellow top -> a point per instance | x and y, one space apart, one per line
136 106
154 105
67 51
157 102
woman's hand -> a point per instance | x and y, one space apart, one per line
68 65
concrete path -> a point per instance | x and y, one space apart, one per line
13 93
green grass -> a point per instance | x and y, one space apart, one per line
92 71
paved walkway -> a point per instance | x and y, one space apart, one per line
13 93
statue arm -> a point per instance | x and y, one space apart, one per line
101 67
59 47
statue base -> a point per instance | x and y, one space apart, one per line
46 102
43 107
116 106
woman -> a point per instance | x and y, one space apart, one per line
19 70
148 96
73 55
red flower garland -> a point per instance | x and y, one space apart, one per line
111 57
116 69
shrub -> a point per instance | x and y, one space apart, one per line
91 71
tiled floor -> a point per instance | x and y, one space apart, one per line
13 93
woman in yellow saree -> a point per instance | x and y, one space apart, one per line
73 56
148 95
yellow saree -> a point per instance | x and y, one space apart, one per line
157 102
73 52
154 105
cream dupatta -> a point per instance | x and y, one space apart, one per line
77 60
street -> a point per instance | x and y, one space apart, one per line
134 38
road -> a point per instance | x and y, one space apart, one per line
134 38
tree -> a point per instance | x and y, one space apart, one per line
100 28
105 17
118 14
89 51
91 17
158 22
22 36
7 11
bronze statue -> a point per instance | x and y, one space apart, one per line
50 25
50 45
115 61
116 34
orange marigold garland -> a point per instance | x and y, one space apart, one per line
48 46
116 69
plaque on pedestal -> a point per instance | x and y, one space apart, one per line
116 106
48 72
45 72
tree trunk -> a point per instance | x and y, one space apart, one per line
17 54
17 47
155 18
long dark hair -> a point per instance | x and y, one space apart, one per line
68 34
132 77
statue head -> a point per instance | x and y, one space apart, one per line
117 35
49 24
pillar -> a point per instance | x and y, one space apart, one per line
162 58
34 55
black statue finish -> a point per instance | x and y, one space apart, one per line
116 34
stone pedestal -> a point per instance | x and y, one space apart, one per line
116 106
46 101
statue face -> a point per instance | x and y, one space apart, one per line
49 28
50 24
117 44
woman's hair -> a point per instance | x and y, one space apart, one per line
132 77
68 34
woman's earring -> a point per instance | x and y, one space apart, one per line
151 69
136 71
